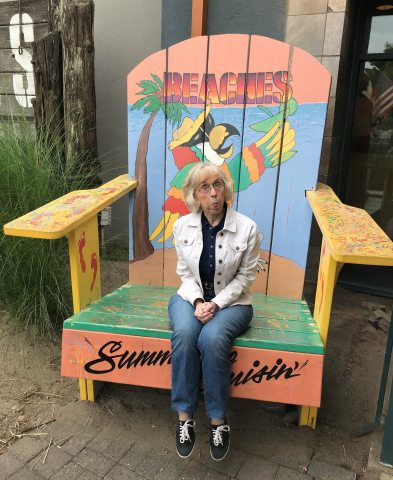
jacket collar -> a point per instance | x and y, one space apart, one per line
230 220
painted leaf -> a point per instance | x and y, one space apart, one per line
153 105
140 103
158 80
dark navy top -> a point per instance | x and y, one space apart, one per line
207 262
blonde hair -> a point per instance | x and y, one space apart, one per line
193 179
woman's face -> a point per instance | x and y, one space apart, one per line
210 193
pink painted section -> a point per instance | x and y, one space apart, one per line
310 79
269 375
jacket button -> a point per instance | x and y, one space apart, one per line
185 241
221 234
219 273
220 246
220 261
218 283
237 248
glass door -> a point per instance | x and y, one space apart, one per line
369 181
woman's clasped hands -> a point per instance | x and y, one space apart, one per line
204 311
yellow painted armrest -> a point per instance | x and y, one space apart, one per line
352 235
57 218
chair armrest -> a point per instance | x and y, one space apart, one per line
352 235
57 218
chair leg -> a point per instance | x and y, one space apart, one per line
89 389
308 416
82 389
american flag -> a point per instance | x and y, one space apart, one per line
383 96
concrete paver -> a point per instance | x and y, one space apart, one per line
9 464
27 448
325 471
94 461
107 436
63 431
296 457
194 471
285 473
118 447
122 473
213 475
253 467
173 469
230 466
77 443
54 461
155 460
73 471
135 456
96 446
25 473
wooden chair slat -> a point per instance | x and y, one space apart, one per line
187 64
146 143
228 64
58 218
259 175
140 310
306 113
360 241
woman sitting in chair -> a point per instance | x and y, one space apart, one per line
218 252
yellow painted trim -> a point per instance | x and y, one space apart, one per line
82 389
327 275
90 390
351 234
85 264
58 218
85 280
308 416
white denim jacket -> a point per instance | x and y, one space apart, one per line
237 254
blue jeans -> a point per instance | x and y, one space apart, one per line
202 347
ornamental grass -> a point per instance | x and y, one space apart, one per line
35 286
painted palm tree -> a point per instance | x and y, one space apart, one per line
152 102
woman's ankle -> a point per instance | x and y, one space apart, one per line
216 422
183 416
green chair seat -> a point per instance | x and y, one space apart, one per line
278 323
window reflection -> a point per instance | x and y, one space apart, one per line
370 179
381 33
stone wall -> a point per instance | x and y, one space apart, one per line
317 27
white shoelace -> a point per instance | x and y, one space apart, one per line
217 434
184 435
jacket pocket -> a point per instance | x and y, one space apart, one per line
185 242
237 247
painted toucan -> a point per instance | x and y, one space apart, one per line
202 140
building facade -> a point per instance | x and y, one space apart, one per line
352 38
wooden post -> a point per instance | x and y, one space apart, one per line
199 18
48 76
72 20
79 85
54 19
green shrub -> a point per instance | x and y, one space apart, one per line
35 284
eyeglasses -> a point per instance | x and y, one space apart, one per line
205 188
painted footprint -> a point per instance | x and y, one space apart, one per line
94 266
81 246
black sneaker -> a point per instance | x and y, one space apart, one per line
185 438
219 441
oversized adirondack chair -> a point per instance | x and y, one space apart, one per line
256 107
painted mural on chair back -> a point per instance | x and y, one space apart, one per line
252 105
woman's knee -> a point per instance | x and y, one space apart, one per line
212 339
185 334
